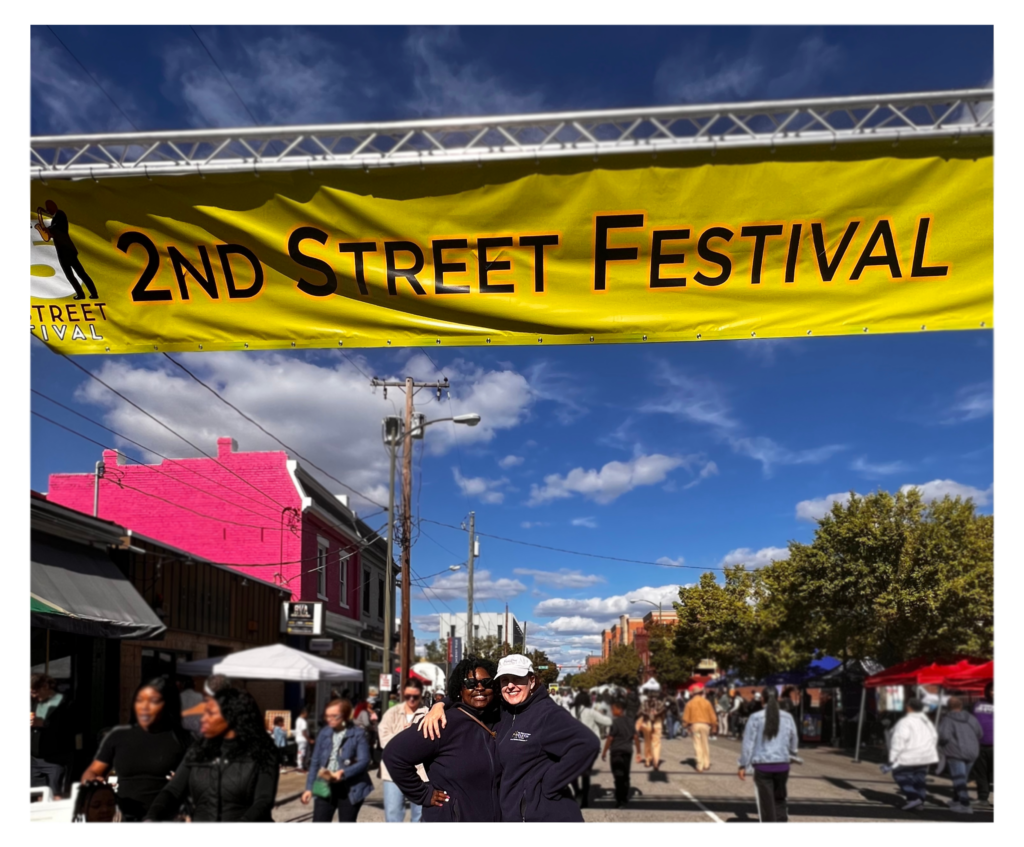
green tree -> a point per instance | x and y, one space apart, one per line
670 669
739 622
892 578
488 647
622 667
540 659
435 652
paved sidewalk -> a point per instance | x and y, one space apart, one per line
828 786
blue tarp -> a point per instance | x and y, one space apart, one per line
816 668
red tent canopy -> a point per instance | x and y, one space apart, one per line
975 677
923 672
413 675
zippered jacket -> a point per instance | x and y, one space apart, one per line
463 762
541 750
231 788
914 742
758 750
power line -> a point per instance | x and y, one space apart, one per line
121 484
575 552
154 418
265 431
224 75
96 82
162 456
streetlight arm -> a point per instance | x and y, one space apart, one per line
468 420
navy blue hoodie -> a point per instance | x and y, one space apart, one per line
542 748
463 762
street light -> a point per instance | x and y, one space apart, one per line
650 603
429 575
392 431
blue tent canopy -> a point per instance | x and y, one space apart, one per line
815 668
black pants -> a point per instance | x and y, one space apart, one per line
982 773
581 786
770 790
323 810
70 262
620 771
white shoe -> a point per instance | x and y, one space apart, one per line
913 804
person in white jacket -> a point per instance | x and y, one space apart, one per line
912 748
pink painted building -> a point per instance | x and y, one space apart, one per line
263 515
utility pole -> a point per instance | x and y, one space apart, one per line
392 431
405 641
470 629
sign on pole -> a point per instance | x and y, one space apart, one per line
385 684
797 242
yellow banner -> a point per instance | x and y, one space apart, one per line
518 253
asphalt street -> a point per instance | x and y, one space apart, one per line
828 786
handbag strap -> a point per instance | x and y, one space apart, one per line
476 720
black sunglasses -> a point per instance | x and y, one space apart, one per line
469 683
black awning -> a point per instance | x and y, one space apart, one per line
97 598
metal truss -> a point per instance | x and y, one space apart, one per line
769 124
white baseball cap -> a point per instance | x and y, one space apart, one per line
515 665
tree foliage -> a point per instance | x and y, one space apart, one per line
436 652
670 669
893 578
540 659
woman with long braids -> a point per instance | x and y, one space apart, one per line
145 753
769 740
231 774
462 765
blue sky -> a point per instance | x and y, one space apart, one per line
697 454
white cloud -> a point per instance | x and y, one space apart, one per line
694 77
446 88
813 510
604 608
289 76
478 486
710 469
754 558
871 469
674 563
454 587
939 488
532 524
563 578
510 462
701 401
607 484
304 400
66 100
972 403
588 522
577 625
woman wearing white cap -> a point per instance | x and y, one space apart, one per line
541 747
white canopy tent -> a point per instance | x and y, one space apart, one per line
651 685
277 661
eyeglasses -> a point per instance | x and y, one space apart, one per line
518 681
412 696
469 683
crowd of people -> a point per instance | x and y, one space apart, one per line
495 745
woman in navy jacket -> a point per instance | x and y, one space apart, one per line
340 757
541 747
461 765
